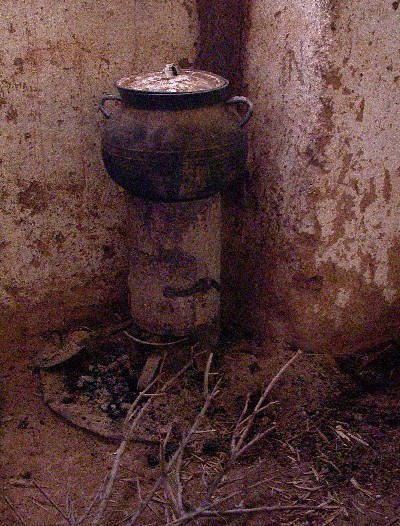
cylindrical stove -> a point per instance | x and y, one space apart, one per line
173 144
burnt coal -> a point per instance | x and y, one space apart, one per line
107 376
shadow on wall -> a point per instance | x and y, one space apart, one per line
223 27
222 32
310 238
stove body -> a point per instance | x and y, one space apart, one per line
173 144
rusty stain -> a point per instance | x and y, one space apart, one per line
316 151
387 186
109 252
55 62
313 283
42 247
11 114
106 61
55 53
30 57
59 238
4 244
13 290
19 63
36 261
333 78
360 113
34 198
345 210
293 61
393 256
346 165
369 197
326 114
189 8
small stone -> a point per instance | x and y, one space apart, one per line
84 380
88 379
152 461
67 400
103 395
104 407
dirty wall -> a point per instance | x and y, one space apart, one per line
310 251
315 228
62 221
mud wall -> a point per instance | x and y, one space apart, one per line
311 246
314 230
63 228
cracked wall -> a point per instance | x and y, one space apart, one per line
63 222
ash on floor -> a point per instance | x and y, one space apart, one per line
106 376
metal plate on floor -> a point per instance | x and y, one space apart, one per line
87 414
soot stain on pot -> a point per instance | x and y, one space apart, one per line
179 160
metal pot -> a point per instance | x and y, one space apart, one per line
175 136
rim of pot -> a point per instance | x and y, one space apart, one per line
224 85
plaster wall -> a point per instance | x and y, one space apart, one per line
63 246
311 247
315 226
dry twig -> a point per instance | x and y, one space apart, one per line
15 511
212 500
169 491
132 421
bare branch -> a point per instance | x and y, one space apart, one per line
15 511
207 374
132 420
51 501
256 439
250 420
98 495
208 512
184 442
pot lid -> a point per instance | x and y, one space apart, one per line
171 80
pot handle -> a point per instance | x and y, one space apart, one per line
103 100
249 112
